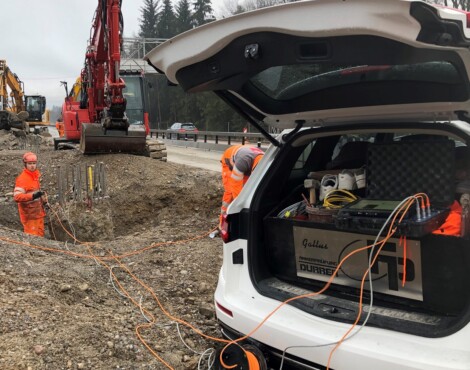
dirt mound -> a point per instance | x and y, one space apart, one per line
62 309
15 139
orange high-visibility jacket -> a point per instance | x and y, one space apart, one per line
238 162
26 184
453 222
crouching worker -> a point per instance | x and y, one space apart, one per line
238 162
29 197
455 224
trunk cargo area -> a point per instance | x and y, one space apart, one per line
420 279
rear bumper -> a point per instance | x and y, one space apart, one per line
310 339
274 356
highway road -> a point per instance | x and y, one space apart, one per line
201 158
195 157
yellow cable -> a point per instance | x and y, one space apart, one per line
339 196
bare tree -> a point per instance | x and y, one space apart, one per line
231 7
458 4
257 4
228 7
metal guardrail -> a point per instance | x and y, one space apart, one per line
217 137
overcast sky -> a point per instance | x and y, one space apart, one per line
44 41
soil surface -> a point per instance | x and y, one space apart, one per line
130 281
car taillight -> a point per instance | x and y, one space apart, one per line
224 229
182 130
224 309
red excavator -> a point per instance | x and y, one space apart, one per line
95 112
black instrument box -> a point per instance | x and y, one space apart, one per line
397 170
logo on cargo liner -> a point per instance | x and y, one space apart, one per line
318 253
387 265
314 244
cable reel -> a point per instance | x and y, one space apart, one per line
240 357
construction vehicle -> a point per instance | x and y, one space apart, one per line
38 119
18 110
104 111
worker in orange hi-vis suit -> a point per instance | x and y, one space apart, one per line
29 196
238 162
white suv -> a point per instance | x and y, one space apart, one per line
374 97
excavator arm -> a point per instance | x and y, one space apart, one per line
10 80
12 106
108 129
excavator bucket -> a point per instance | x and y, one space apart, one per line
95 139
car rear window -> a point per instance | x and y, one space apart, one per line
292 81
335 73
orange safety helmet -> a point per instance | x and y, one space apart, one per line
30 157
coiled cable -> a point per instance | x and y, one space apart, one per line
338 198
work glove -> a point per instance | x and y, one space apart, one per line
38 194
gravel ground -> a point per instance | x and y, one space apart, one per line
126 268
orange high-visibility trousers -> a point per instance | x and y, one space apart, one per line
34 227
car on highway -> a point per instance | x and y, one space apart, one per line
182 131
348 247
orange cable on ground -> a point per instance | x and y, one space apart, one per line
127 254
141 250
101 260
404 208
147 313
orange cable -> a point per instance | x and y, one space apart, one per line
404 262
307 295
359 308
404 208
147 313
147 325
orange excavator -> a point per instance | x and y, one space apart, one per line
96 113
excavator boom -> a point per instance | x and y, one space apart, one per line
105 127
10 80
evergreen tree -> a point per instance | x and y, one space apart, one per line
217 115
202 12
183 16
149 19
166 27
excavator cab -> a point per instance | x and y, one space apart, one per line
134 94
35 106
124 132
